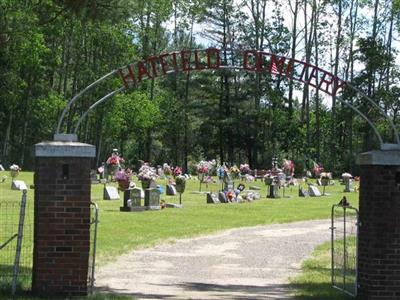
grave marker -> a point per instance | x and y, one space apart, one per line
313 191
170 190
152 198
229 186
273 191
18 185
212 198
222 197
110 193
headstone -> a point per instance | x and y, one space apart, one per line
314 191
170 190
1 167
222 197
255 188
152 198
18 185
240 187
273 191
302 192
110 193
212 198
132 200
136 197
249 196
348 185
229 186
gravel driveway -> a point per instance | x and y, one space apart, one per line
246 263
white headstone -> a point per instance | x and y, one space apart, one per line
313 191
1 167
212 198
110 193
18 185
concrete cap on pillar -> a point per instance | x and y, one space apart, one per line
379 158
64 145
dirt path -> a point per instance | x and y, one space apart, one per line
247 263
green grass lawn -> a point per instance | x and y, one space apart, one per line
314 283
120 232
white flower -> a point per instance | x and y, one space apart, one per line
15 167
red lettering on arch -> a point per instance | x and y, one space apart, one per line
197 61
339 84
313 75
163 63
152 60
246 60
127 78
185 61
326 82
216 53
290 68
276 65
142 70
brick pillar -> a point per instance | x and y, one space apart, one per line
61 218
379 233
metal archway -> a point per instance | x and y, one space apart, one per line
248 61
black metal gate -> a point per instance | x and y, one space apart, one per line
344 240
16 237
94 220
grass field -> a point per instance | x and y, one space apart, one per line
314 283
120 232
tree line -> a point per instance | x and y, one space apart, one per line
52 49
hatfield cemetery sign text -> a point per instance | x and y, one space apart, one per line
248 60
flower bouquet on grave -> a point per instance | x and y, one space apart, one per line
325 178
202 171
113 163
167 169
317 170
268 178
14 171
244 169
177 171
123 177
146 175
235 172
180 183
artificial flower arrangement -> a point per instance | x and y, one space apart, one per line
325 178
234 171
244 169
123 177
180 183
14 170
114 160
147 174
268 178
167 169
206 167
317 170
177 171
